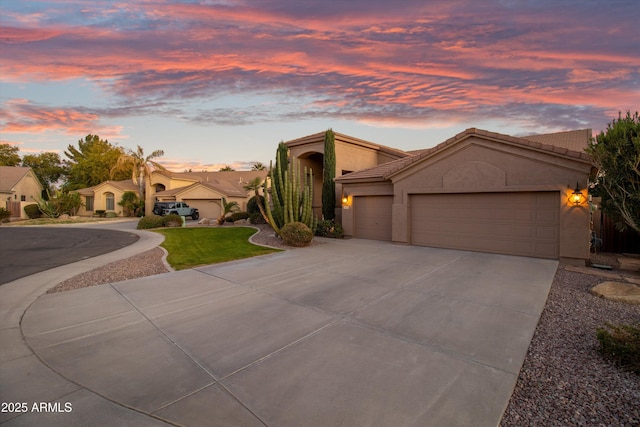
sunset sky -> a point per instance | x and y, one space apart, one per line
223 81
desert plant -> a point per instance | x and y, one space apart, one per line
290 200
101 213
32 211
296 234
226 208
151 221
329 228
111 215
621 345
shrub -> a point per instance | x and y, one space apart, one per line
252 204
296 234
4 215
151 221
111 215
173 220
32 211
237 216
101 213
621 345
256 218
329 228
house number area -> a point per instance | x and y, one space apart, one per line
47 407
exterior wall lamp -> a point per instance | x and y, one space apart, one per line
576 198
345 200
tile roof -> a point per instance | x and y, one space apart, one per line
576 140
385 171
10 176
229 183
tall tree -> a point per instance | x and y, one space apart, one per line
9 155
616 154
138 166
328 177
257 166
227 168
91 162
47 166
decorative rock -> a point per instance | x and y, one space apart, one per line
631 264
618 291
63 217
205 221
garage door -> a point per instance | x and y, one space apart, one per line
509 223
206 208
372 217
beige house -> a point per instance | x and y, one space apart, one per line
19 187
105 197
201 190
479 191
352 154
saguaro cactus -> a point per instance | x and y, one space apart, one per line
289 201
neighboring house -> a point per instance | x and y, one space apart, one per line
201 190
19 187
479 191
105 196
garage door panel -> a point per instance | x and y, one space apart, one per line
372 217
512 223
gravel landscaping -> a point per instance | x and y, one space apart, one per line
563 381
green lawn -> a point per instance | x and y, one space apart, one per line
192 247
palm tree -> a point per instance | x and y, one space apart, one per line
226 209
139 165
227 168
256 184
257 166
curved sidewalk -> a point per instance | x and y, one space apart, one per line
26 380
351 332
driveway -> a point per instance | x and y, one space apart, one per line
354 333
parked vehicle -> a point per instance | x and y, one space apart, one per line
178 208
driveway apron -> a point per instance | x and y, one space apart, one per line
352 332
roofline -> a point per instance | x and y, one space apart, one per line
522 142
319 137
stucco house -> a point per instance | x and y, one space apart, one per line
479 190
19 187
201 190
105 196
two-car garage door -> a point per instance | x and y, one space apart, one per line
511 223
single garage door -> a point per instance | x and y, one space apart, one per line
372 217
206 208
508 223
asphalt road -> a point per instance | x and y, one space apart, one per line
28 250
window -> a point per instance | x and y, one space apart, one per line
110 201
23 198
89 203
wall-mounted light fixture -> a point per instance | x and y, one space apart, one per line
576 198
345 200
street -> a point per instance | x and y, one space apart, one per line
28 250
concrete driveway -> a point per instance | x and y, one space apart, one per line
353 333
